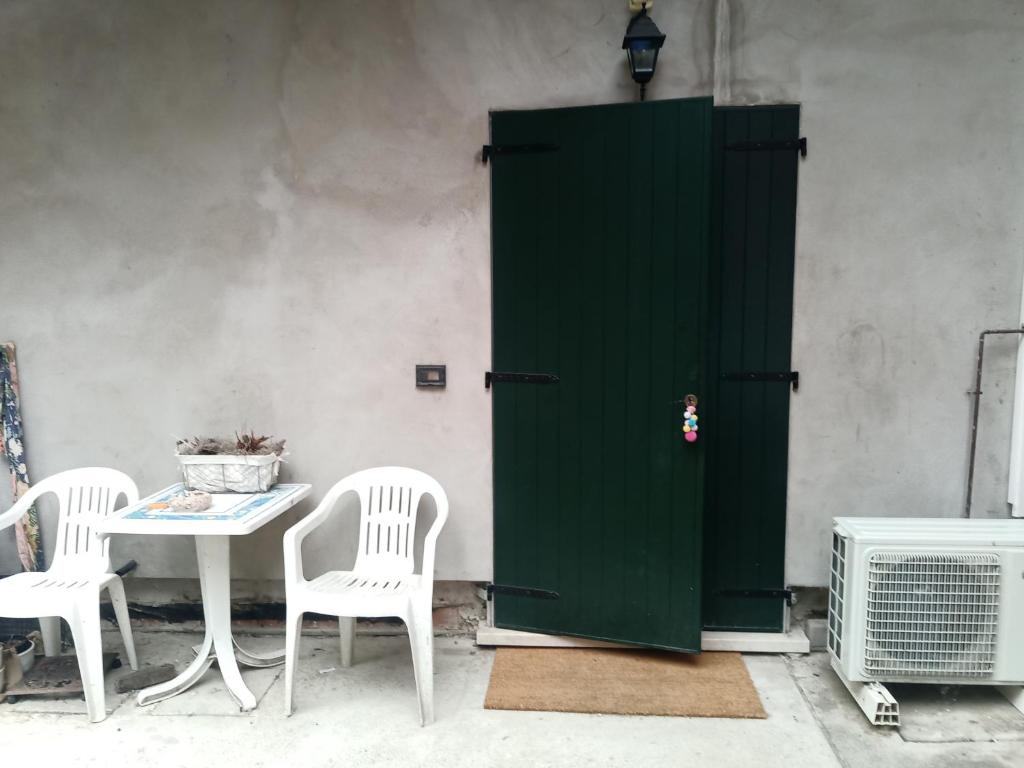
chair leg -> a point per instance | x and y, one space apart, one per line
347 630
421 640
120 603
85 629
49 628
293 631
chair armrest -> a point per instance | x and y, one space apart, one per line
20 508
430 542
295 535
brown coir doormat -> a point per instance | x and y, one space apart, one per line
622 682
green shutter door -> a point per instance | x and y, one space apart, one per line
599 253
753 223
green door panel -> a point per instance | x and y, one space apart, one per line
599 274
750 288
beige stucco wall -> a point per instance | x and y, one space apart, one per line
217 214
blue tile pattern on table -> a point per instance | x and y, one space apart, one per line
245 505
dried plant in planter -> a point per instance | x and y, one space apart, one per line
244 444
250 444
247 463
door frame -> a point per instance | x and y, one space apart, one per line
762 636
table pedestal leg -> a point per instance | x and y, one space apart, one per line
246 658
251 659
185 680
214 556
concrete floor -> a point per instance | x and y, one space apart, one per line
366 716
954 726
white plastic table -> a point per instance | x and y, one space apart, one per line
232 514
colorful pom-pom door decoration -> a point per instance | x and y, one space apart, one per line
690 419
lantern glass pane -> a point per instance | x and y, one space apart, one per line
642 58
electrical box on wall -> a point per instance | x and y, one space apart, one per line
430 375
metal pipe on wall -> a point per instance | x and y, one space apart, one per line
1015 483
976 393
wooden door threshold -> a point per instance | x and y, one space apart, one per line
794 641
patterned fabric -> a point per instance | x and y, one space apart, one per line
12 446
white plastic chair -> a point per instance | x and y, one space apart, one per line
70 590
382 582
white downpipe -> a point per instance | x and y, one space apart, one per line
1015 493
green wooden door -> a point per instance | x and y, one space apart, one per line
753 225
599 242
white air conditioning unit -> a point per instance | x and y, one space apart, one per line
924 600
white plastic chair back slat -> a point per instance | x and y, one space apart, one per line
387 529
85 496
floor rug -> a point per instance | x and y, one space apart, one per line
622 682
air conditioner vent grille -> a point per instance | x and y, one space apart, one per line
931 614
837 596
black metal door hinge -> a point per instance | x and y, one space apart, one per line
518 378
769 144
508 589
492 150
127 568
767 594
787 376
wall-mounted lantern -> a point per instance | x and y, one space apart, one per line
642 42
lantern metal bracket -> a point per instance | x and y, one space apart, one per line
492 150
770 144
